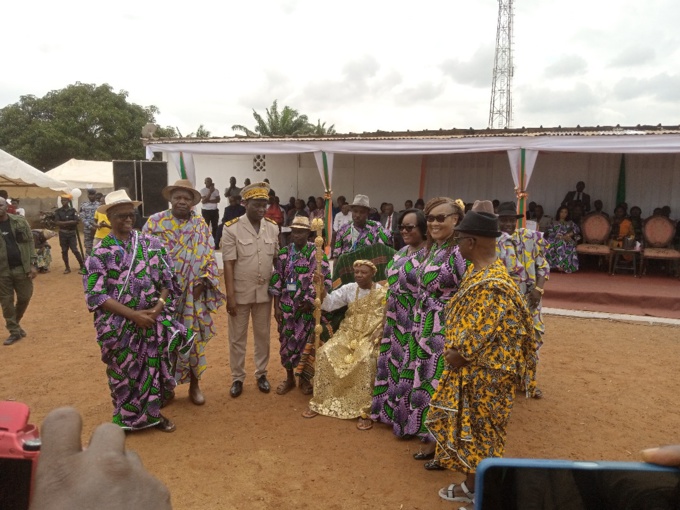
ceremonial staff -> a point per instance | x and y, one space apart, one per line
317 226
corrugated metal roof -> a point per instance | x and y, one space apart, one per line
443 134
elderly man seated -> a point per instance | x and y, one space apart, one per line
346 364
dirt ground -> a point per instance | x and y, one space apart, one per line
611 389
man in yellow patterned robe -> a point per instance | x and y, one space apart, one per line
490 349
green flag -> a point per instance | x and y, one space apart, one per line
621 187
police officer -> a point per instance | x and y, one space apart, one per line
249 245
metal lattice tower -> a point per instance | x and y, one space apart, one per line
500 110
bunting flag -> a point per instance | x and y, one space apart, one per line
185 165
324 163
621 186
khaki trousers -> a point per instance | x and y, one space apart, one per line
238 338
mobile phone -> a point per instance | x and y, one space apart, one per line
532 484
19 450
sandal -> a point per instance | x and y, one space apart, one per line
423 455
365 424
165 425
448 493
433 465
306 388
308 413
537 394
285 387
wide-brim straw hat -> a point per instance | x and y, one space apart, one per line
361 201
301 222
184 184
118 197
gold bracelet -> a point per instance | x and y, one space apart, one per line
540 290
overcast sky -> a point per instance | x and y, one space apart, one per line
361 65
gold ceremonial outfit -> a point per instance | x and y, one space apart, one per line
346 364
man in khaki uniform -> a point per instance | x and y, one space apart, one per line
249 245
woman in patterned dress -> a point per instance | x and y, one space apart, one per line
562 237
130 287
438 277
388 404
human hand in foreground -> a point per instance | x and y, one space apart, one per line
453 358
668 455
144 318
104 476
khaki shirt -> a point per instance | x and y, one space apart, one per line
254 255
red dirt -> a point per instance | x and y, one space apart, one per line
610 390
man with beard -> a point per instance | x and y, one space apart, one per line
249 245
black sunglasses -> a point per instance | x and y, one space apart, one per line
440 218
125 216
407 228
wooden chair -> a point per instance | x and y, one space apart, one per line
595 228
658 233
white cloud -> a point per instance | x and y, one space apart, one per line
359 65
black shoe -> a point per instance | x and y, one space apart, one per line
13 338
423 456
22 332
236 389
263 384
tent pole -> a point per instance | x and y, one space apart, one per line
521 192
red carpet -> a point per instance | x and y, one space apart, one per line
654 295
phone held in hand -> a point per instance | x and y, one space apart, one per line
518 484
19 450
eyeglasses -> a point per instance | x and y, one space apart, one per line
407 228
440 218
125 216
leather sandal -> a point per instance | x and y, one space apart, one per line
165 425
433 465
448 493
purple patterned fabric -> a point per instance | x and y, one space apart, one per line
439 277
296 267
140 361
391 390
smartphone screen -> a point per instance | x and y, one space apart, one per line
553 485
15 483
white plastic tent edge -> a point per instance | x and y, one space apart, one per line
21 180
522 150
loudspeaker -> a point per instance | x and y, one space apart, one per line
144 181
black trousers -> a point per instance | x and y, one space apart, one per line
68 241
212 218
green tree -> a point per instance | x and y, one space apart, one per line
201 132
321 129
284 123
82 121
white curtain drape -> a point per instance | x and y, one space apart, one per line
470 177
653 180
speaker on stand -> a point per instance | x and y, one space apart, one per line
144 181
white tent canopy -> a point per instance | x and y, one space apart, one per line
522 147
21 180
79 173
